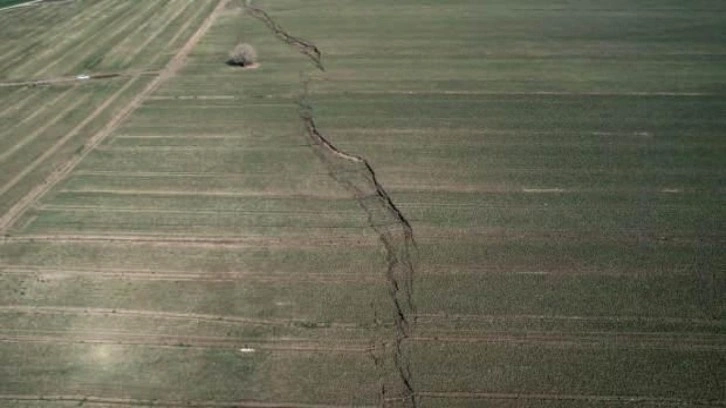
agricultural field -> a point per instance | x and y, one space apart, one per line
416 203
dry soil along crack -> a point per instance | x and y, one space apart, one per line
306 47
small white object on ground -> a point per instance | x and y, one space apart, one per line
246 350
83 77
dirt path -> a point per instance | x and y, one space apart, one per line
64 169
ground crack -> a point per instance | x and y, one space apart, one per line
355 174
393 229
305 47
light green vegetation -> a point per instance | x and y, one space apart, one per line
561 166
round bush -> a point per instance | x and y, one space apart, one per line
243 55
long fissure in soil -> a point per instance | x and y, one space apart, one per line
355 174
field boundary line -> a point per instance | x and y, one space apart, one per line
86 400
66 168
567 397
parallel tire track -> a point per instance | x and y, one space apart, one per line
87 400
181 241
20 207
156 275
181 341
62 171
627 400
237 320
39 131
134 22
36 112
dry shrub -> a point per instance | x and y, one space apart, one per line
243 55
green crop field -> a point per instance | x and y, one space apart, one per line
415 203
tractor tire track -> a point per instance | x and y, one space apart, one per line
64 169
128 338
18 105
181 241
86 400
631 341
51 29
132 20
155 275
237 320
111 13
627 400
176 11
17 210
435 318
39 111
80 100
